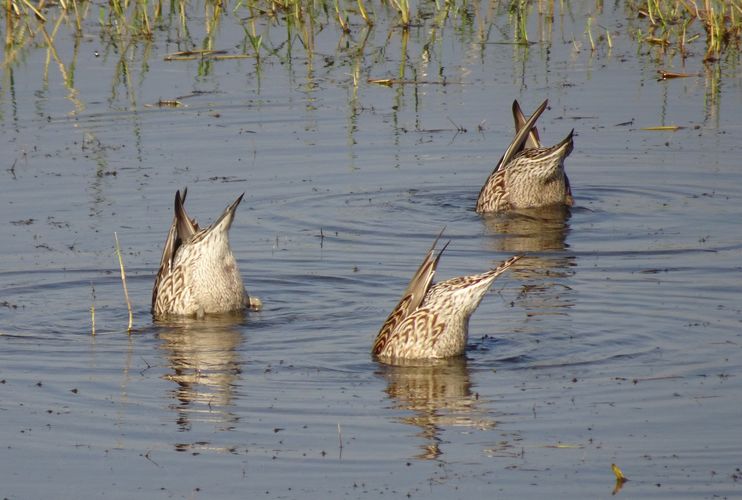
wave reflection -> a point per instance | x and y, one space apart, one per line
439 395
205 363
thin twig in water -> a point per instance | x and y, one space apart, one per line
146 455
667 75
12 168
663 128
92 309
141 372
123 280
395 81
340 439
459 128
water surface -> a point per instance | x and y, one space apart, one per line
616 340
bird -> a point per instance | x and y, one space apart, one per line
198 273
431 321
528 175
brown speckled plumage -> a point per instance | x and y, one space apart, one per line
198 273
432 321
528 175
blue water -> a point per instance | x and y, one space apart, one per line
617 340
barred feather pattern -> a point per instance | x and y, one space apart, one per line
198 273
412 296
438 327
529 175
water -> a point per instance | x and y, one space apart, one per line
617 340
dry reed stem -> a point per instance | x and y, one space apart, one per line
667 75
663 128
388 82
123 280
36 12
364 13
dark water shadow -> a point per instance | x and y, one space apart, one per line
439 395
205 363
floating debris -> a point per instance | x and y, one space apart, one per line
663 128
188 55
657 41
192 55
165 103
565 446
388 82
23 222
620 479
667 75
619 474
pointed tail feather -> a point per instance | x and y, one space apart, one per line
226 218
568 142
423 277
505 265
521 136
412 296
185 226
501 268
533 140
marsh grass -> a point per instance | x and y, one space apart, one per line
519 12
403 9
364 13
675 24
285 29
670 24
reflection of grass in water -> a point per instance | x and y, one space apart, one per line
126 25
281 28
672 24
130 21
519 12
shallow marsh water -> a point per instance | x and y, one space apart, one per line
617 340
